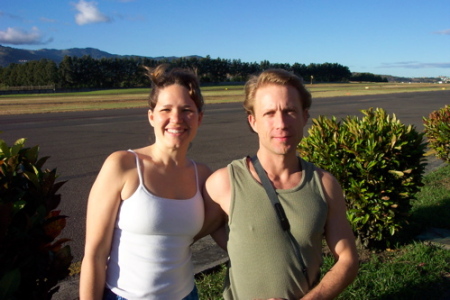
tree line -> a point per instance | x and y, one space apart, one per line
87 72
368 77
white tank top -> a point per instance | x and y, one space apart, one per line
150 255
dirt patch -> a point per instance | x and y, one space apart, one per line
445 183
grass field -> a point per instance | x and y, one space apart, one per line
129 98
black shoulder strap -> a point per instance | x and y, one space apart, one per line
284 222
271 193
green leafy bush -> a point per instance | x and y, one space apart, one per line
379 163
32 261
437 131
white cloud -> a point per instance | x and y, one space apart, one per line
89 13
14 36
443 32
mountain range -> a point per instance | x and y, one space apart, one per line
10 55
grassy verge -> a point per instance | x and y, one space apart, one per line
411 270
130 98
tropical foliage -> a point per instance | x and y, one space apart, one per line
379 163
32 259
437 131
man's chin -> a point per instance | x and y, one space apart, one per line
286 150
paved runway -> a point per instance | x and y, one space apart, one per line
78 142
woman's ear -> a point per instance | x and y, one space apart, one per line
150 117
200 118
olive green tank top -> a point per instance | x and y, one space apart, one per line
262 261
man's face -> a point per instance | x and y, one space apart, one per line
278 118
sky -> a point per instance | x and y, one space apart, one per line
384 37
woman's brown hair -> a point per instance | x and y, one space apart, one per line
163 76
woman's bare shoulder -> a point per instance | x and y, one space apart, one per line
204 171
203 167
120 160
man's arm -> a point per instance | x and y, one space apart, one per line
216 190
340 240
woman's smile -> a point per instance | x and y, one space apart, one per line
176 131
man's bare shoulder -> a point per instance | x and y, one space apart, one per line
326 177
331 187
218 188
218 178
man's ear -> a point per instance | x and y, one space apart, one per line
306 116
150 117
252 122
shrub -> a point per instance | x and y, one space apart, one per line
31 260
437 131
379 163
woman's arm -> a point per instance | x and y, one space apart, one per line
103 203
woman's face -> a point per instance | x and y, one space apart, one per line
175 117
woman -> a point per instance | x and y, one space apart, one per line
145 206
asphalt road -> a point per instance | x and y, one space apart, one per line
78 142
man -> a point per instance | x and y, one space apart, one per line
263 263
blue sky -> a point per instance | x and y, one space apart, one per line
400 38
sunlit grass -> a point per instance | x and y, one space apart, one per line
415 271
130 98
210 284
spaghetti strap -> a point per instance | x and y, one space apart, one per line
196 175
138 165
141 182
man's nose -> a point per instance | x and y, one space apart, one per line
280 120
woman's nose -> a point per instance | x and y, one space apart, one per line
176 116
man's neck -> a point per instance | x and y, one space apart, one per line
284 171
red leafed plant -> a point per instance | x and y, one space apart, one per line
32 259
